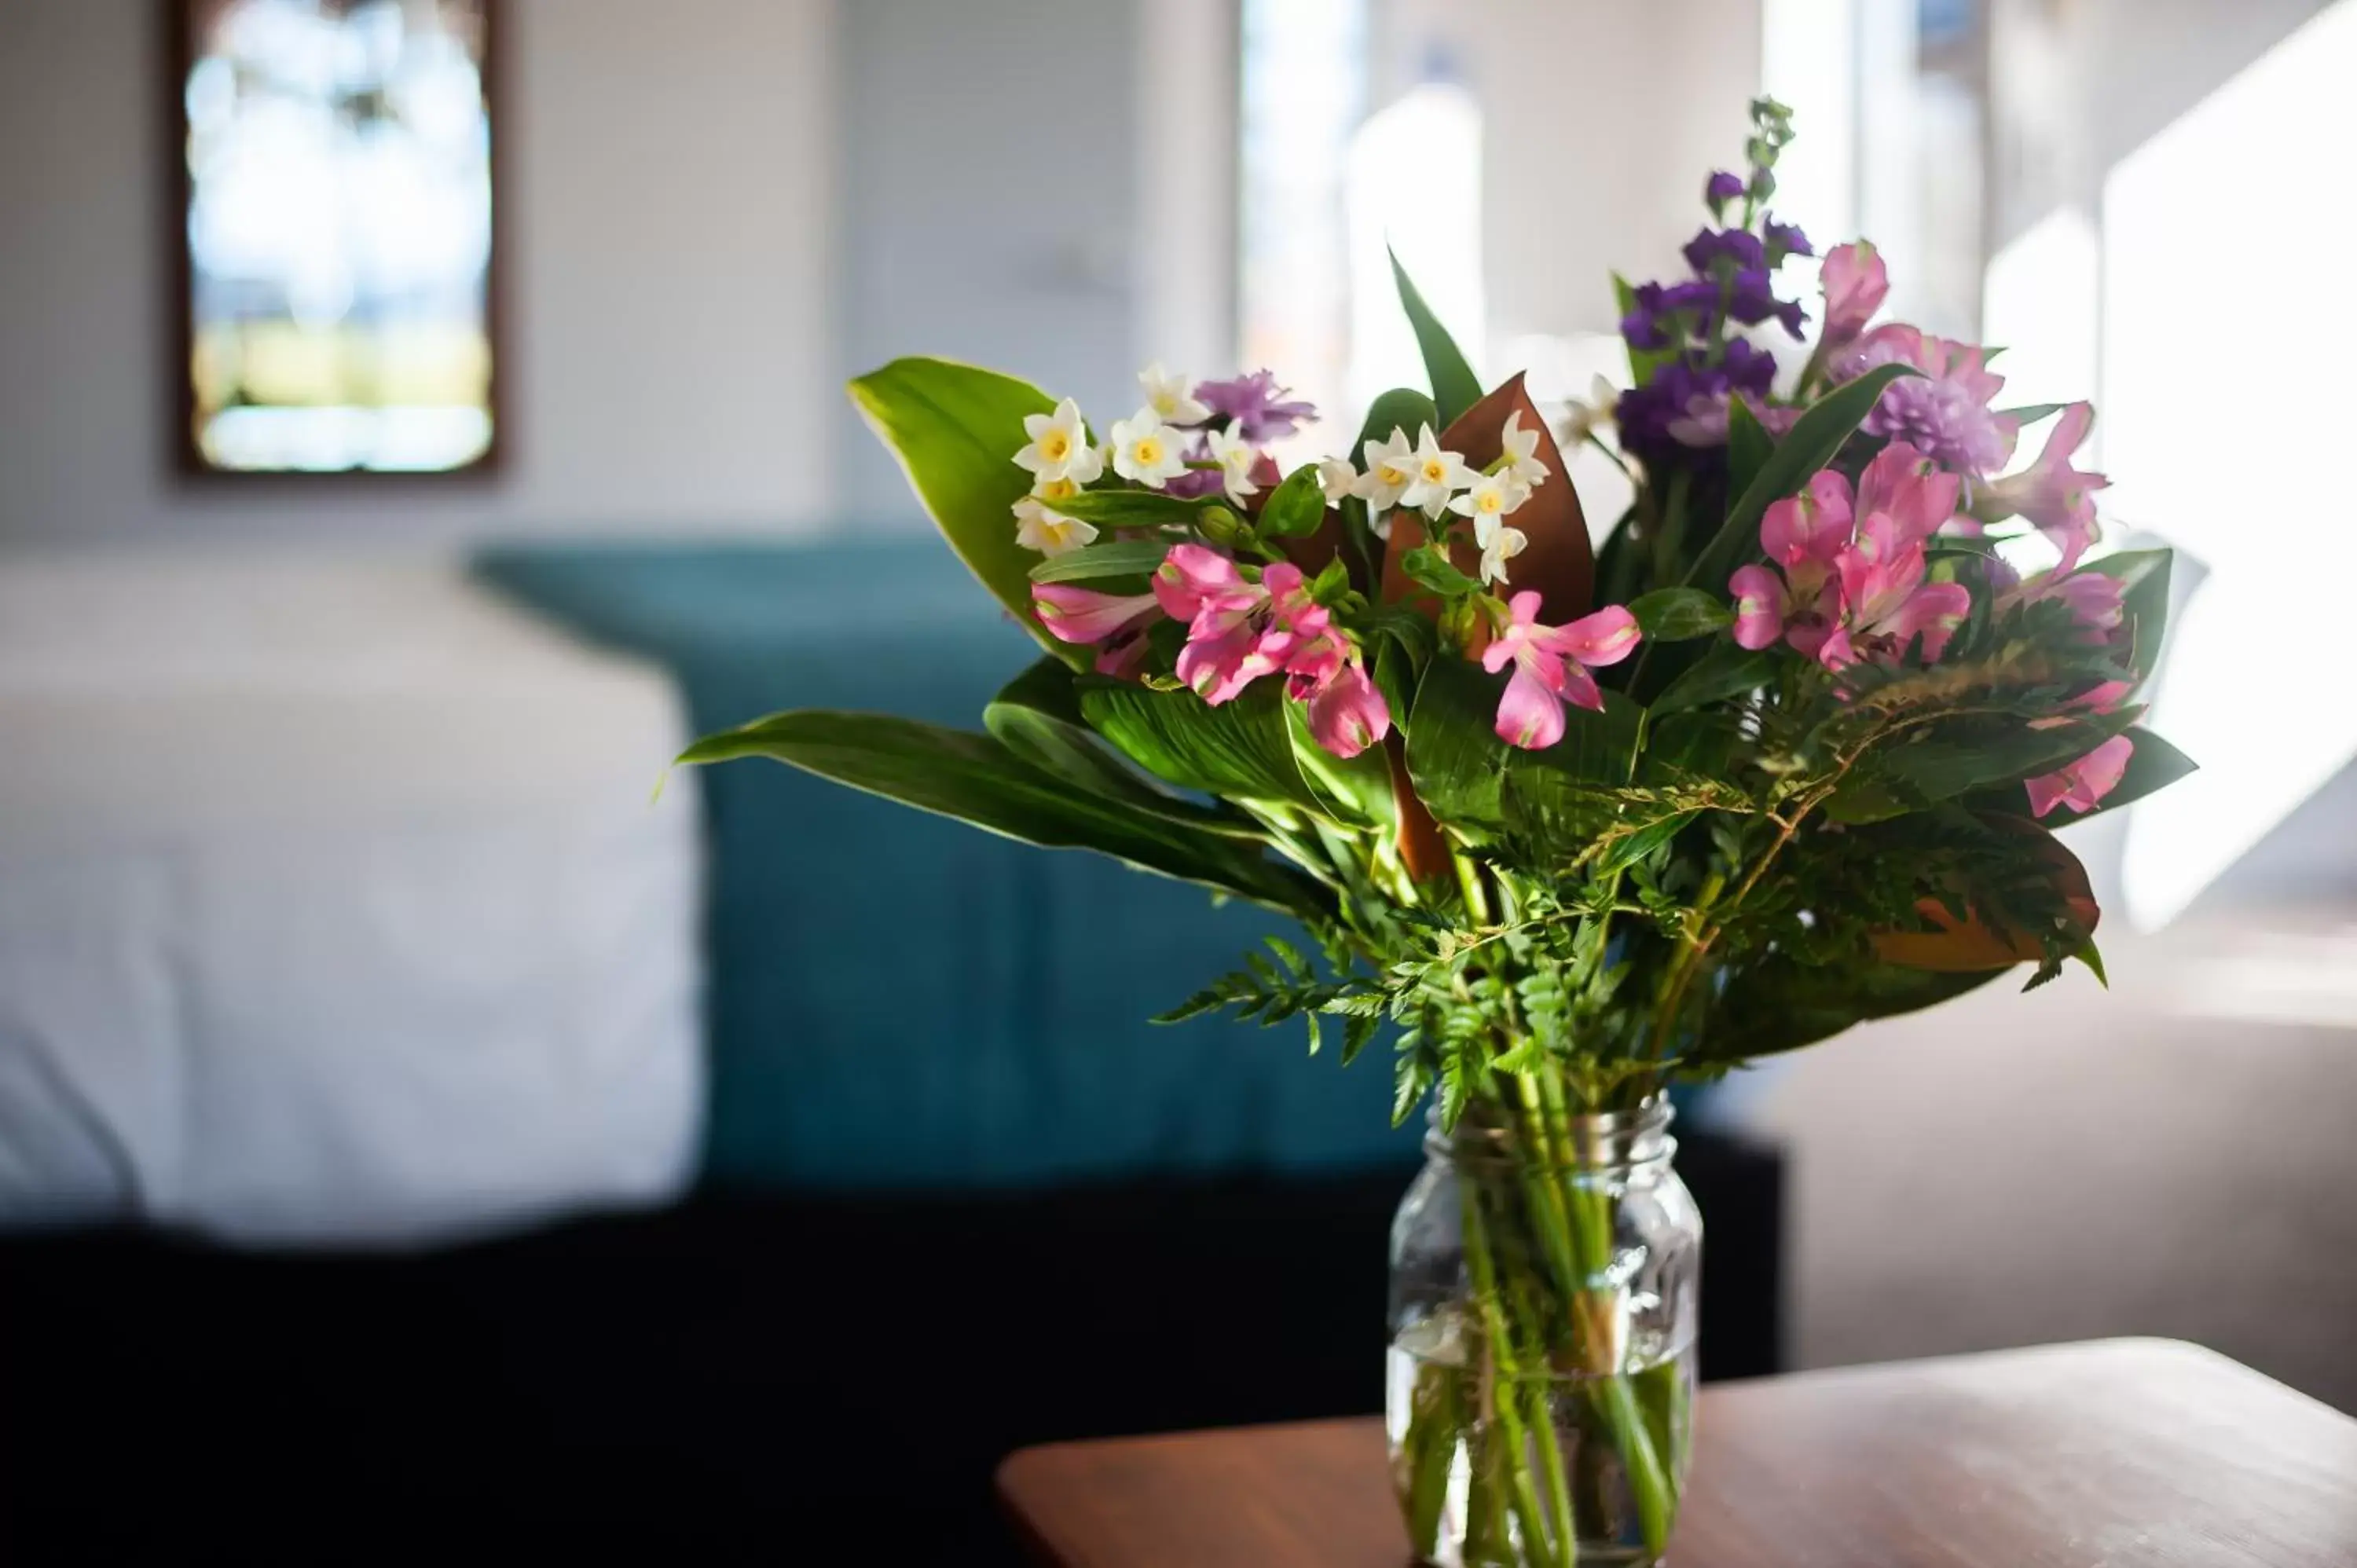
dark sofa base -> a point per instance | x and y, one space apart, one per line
774 1378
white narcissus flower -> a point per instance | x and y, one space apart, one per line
1582 420
1051 532
1060 446
1388 465
1502 543
1491 498
1433 475
1235 457
1520 447
1167 396
1147 450
1338 479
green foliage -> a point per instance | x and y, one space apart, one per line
1429 568
957 429
1678 615
1241 750
1109 558
1134 508
1748 446
1295 508
1455 387
977 780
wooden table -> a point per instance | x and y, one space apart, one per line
2119 1454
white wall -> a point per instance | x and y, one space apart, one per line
670 244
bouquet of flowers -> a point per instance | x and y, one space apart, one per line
1779 752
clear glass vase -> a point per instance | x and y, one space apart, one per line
1545 1271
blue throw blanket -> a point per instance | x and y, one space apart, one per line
899 1002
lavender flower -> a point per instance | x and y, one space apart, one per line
1252 402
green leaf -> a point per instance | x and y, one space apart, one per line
1674 614
1402 409
976 779
1113 558
1629 850
1355 789
1474 781
2030 413
1812 442
1241 750
1642 362
1037 717
1429 568
1953 761
1748 446
2154 765
1295 508
1455 387
957 429
1725 671
1132 509
1780 1004
2144 598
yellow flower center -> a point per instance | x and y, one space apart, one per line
1435 471
1489 501
1057 489
1055 445
1149 452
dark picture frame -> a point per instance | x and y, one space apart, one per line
182 22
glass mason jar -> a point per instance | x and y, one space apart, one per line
1544 1276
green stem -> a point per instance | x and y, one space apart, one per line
1505 1367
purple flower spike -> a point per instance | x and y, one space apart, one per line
1253 403
1786 239
1722 188
1734 245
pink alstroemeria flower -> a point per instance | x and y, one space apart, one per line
1115 623
1234 636
1854 283
2058 497
1550 667
1916 493
1347 712
1838 593
1804 536
1886 603
2082 785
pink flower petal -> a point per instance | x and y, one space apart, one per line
1758 605
1348 714
1529 715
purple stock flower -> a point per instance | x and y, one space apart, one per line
1721 188
1252 402
1752 300
1749 367
1786 239
1735 245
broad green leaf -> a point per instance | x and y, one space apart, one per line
2153 765
2144 598
1402 409
1355 789
1038 716
1455 387
1111 558
1748 446
1134 508
1474 781
1952 760
1779 1005
1674 614
1725 671
1295 508
1429 568
1634 846
976 779
955 429
1241 750
1812 443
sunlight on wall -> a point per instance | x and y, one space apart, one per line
1416 180
2041 300
2226 426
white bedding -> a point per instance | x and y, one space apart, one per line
332 905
